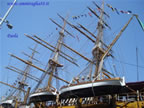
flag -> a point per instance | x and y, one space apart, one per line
90 14
116 11
74 17
82 15
99 9
141 23
126 12
122 11
110 7
129 11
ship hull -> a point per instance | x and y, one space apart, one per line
99 87
41 97
8 104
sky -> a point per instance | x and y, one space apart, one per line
32 19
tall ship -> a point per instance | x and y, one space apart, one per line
19 90
94 86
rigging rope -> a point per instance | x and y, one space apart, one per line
129 63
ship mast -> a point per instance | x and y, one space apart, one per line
98 52
22 83
98 47
54 61
12 86
25 74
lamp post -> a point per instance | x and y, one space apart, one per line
8 24
3 19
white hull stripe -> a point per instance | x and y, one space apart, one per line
95 84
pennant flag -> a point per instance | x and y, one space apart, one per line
126 12
99 9
141 23
110 7
90 14
129 11
122 11
116 11
75 17
82 15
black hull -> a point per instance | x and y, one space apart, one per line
92 91
42 98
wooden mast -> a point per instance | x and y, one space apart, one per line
54 62
19 71
52 48
112 44
26 71
21 84
39 68
97 50
12 86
